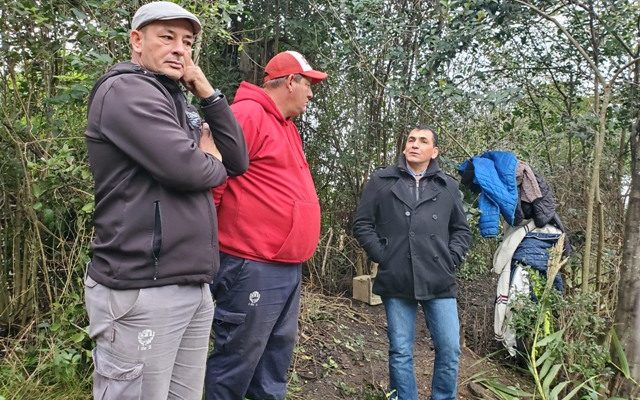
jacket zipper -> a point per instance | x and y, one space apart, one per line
157 239
417 189
211 210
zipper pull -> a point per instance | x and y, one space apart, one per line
155 268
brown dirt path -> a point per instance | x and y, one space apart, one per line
342 352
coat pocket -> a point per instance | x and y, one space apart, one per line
156 238
443 257
384 250
116 379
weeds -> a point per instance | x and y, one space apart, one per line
50 360
564 343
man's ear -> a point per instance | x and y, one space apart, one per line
135 39
289 82
436 151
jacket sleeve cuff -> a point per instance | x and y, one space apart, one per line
212 100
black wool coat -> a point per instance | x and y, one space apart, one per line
418 241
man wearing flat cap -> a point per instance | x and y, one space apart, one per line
155 249
269 225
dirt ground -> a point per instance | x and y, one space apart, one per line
342 352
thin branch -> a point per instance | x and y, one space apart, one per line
570 37
542 126
442 129
621 69
606 27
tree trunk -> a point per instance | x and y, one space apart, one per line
627 316
628 309
594 185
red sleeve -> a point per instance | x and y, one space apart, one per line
249 115
216 193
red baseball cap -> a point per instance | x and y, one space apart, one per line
291 62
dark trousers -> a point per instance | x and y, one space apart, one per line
255 327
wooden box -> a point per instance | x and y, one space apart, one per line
362 290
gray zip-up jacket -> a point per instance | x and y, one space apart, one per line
155 222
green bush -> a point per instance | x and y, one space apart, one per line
573 336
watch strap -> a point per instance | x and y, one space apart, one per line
214 98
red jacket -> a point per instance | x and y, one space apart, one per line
271 212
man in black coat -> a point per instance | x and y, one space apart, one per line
410 220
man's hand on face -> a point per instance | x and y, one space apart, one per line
194 79
206 142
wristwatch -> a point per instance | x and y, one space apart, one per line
213 99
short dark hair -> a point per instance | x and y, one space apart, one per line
277 82
424 127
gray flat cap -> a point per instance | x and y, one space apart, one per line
162 11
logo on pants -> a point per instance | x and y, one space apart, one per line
254 297
145 337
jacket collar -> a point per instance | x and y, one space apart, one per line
249 91
433 170
129 67
400 188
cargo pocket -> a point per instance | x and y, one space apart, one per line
116 379
226 329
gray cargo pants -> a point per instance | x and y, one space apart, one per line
151 344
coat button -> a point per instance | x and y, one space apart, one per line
434 216
433 236
436 258
411 234
407 213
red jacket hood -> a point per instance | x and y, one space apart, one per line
249 91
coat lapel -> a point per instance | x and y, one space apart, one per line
401 190
430 192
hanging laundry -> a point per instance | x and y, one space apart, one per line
511 188
493 175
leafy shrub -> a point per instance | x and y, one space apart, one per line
563 339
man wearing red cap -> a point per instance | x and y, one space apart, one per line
269 225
